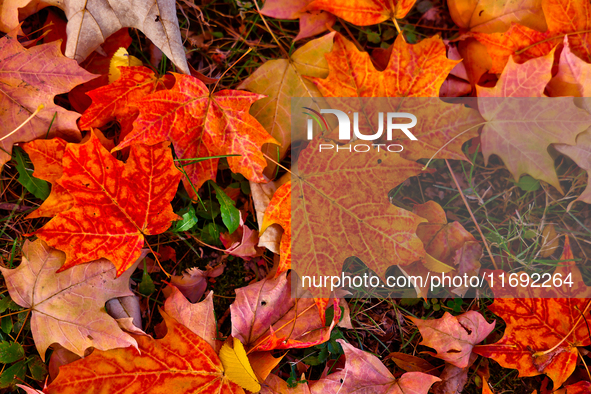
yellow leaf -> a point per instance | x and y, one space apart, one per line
435 265
237 367
121 58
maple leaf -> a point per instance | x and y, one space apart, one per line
68 307
365 373
573 76
116 204
542 334
33 77
311 23
198 318
201 124
279 212
412 71
364 12
581 154
181 362
351 195
491 16
453 337
91 21
543 120
281 81
266 317
118 100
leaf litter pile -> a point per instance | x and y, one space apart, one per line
146 227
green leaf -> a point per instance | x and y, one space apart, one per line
528 184
6 324
188 222
146 286
230 214
35 186
37 368
209 211
13 374
210 234
10 352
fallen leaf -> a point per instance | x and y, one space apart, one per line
549 239
59 356
453 337
275 385
573 77
410 363
266 317
263 363
364 12
281 81
242 242
365 373
542 334
116 204
91 22
201 124
311 23
492 16
118 100
453 379
237 366
181 362
199 318
68 307
577 388
519 131
278 212
30 78
581 154
193 282
126 307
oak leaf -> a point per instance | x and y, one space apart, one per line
181 362
116 204
454 337
282 80
311 23
33 77
266 317
91 22
542 334
365 373
492 16
203 124
519 130
364 12
68 307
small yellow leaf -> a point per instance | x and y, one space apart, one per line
435 265
237 367
549 241
121 58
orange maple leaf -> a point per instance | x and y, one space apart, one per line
116 204
33 77
203 124
179 363
542 334
364 12
117 101
279 211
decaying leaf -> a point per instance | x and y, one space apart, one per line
181 362
116 204
91 22
364 12
311 23
30 78
68 307
193 282
453 337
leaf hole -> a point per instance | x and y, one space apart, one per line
263 303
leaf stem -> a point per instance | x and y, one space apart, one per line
39 108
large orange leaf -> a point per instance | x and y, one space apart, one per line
412 71
542 334
68 307
118 100
563 17
179 363
202 124
364 12
519 130
266 317
33 77
116 204
279 212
